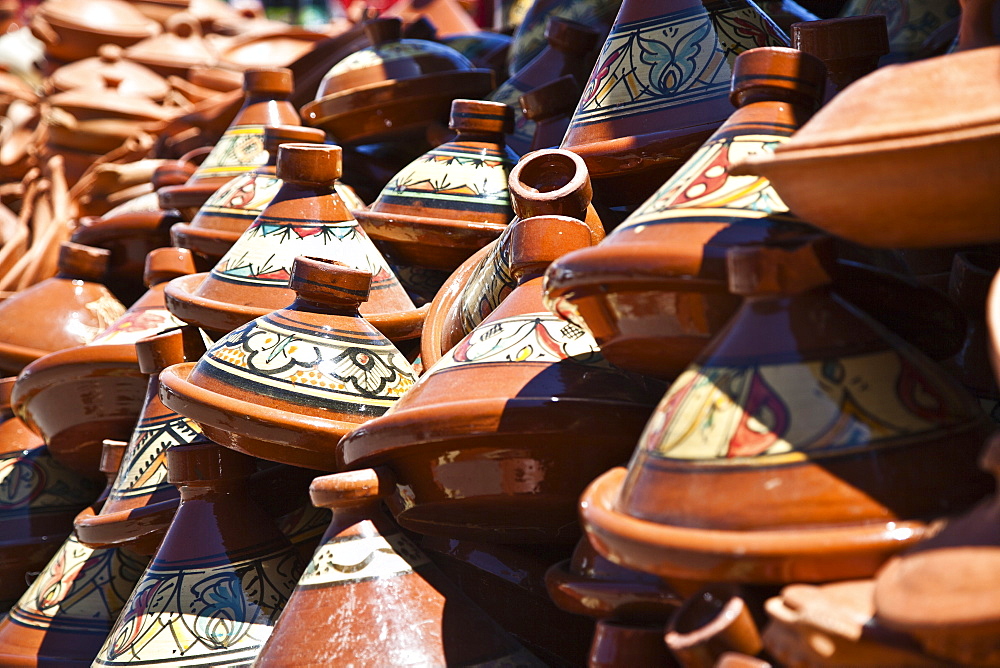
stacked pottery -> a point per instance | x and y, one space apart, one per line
654 292
241 148
847 440
37 495
66 613
76 398
393 89
134 80
488 444
175 51
641 116
568 53
529 38
75 29
300 377
389 603
305 217
550 108
453 200
218 580
140 503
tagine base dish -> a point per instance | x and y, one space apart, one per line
272 434
797 554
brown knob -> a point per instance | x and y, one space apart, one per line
778 73
205 461
850 47
569 36
6 388
309 164
109 53
166 264
550 182
262 81
329 282
481 116
82 262
338 489
556 97
112 454
275 135
380 31
181 344
537 242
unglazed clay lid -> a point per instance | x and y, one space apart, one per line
111 104
133 79
304 375
180 46
103 17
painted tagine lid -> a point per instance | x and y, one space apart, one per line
394 88
921 163
847 439
488 444
654 292
452 200
141 503
219 543
305 217
90 73
641 116
300 377
67 310
389 602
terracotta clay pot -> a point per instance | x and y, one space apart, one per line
569 51
911 23
390 604
300 377
75 29
550 107
922 167
65 615
176 50
654 292
709 623
529 38
843 433
943 591
487 445
641 118
90 73
140 503
305 217
214 596
849 47
393 89
67 310
37 496
452 200
552 182
241 148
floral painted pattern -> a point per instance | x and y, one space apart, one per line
240 150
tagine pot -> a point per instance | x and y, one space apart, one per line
241 148
552 182
488 445
642 116
176 50
550 109
220 578
78 397
67 310
451 201
921 165
390 604
529 37
848 440
37 496
72 30
654 292
63 618
231 209
394 89
305 217
286 386
90 73
141 503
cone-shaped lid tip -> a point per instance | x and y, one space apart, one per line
166 264
112 454
779 71
174 346
837 39
276 135
537 242
380 31
312 164
268 80
550 181
780 269
338 489
570 36
329 282
204 461
83 262
109 53
481 116
172 173
556 97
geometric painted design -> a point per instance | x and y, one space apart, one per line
326 368
454 177
704 187
240 150
263 255
672 60
489 285
81 590
216 614
776 412
356 558
245 196
137 323
144 468
33 484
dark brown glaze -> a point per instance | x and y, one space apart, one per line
387 600
529 38
709 623
849 47
550 107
